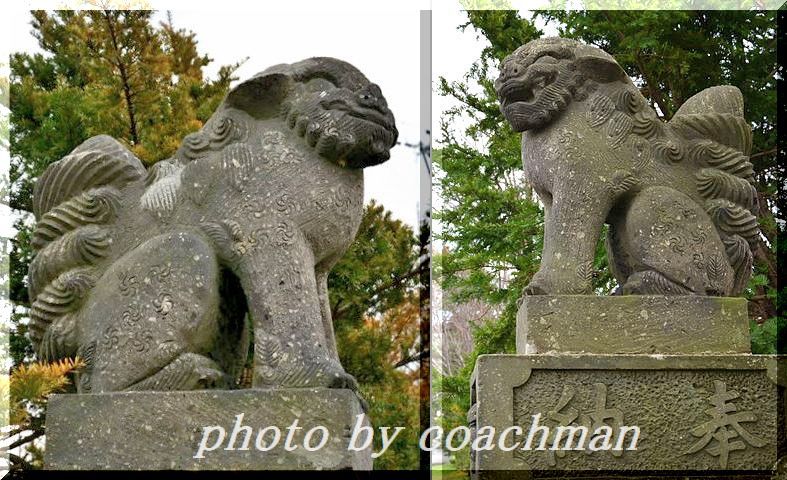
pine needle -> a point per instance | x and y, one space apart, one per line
32 383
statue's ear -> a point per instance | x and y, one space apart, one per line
261 96
601 69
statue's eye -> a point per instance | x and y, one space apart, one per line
319 84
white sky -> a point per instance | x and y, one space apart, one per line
387 52
465 49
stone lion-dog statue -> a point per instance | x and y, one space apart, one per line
149 276
678 196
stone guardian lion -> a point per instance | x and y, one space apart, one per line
678 196
149 275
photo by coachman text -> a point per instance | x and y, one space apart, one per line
539 437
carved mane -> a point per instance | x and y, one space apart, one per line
73 202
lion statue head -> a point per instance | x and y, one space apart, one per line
540 79
327 102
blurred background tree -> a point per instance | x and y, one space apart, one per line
120 73
492 223
5 246
375 303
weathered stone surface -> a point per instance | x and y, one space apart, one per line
632 324
678 196
675 400
162 430
149 274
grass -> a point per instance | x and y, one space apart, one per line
447 471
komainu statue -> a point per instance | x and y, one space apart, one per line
678 195
150 275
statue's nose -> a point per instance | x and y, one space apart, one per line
372 97
509 70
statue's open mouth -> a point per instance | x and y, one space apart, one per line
515 91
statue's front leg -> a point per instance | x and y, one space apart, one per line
290 345
572 225
325 310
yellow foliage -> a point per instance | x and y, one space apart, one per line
31 384
142 153
194 124
4 380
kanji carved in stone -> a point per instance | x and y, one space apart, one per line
150 275
678 196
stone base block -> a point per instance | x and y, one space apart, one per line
693 413
632 324
164 430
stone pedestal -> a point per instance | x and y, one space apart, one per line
632 324
163 430
677 368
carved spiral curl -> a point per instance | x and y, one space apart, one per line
669 150
713 183
195 146
622 181
99 205
716 155
729 129
646 126
558 94
643 154
99 161
77 248
162 196
629 101
60 297
741 259
733 219
225 131
600 110
618 128
224 236
59 340
237 161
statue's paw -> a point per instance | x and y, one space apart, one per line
304 373
549 282
282 366
210 378
344 380
539 285
535 289
325 374
206 373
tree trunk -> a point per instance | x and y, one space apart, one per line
124 78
